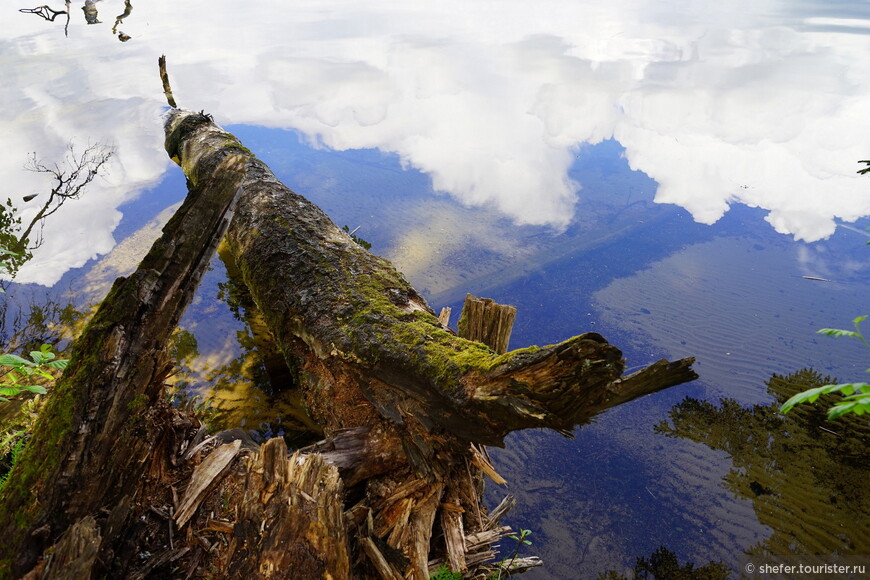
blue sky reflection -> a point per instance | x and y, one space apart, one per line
759 103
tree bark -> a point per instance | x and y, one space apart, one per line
89 446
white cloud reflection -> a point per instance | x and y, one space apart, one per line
761 102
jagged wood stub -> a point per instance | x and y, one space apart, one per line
484 320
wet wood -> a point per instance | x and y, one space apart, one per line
519 565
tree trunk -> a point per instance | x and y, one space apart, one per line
114 482
332 305
89 447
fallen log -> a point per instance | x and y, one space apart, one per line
405 404
330 303
366 350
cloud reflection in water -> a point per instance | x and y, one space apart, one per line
761 103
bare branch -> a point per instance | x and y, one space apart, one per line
70 180
164 78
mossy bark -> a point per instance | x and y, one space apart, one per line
328 298
90 446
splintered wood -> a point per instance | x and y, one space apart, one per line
484 320
205 476
291 520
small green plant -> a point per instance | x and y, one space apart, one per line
857 395
442 572
521 540
8 461
21 371
357 239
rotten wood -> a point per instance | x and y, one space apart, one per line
291 520
204 477
486 321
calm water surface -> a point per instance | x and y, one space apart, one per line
666 174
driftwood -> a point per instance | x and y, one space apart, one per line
113 473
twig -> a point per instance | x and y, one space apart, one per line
164 77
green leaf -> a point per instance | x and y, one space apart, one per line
35 389
838 332
810 395
858 407
12 360
9 391
38 357
58 364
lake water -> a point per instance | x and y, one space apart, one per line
676 176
